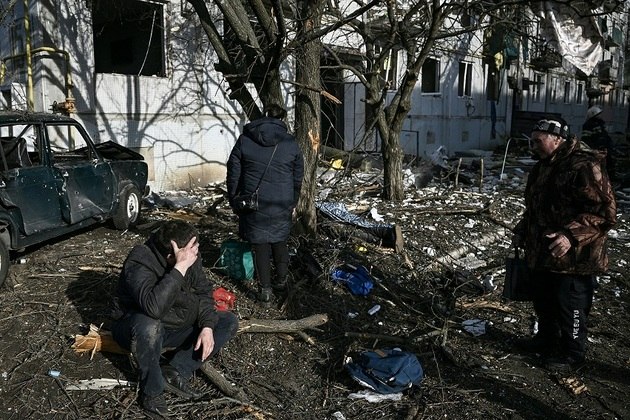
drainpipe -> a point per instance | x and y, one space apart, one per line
68 106
30 102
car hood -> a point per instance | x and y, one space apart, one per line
114 151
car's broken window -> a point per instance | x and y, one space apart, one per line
67 143
19 146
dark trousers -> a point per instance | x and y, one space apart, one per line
146 338
562 303
263 254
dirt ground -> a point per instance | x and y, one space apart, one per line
57 290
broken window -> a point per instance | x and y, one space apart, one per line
67 144
18 62
579 94
128 37
430 76
554 90
567 92
464 86
19 146
538 84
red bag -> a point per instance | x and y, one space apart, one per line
223 299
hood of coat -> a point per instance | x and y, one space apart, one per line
267 131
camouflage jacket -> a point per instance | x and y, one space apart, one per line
568 192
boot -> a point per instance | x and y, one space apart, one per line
266 297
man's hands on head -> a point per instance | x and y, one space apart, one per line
205 342
185 257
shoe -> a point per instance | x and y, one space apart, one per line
266 296
175 383
564 364
154 405
537 344
399 241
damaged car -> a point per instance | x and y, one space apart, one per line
55 180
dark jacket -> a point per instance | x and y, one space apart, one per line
568 192
280 187
148 286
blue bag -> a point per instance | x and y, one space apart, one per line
386 371
357 279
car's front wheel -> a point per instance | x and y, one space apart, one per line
5 262
128 211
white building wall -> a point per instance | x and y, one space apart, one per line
183 124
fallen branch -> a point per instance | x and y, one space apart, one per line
484 304
223 384
281 326
98 339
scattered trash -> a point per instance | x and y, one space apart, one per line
5 375
224 300
574 385
54 373
509 319
471 224
371 396
534 325
353 315
488 283
357 279
103 383
476 327
336 163
338 415
440 157
377 217
374 309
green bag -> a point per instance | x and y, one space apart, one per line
236 260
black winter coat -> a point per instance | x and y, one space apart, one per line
280 187
147 285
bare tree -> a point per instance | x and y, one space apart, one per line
256 37
251 45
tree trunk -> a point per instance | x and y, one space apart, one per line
392 162
307 112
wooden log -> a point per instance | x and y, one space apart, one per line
98 339
281 326
223 384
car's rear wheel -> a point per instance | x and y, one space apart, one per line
128 212
5 262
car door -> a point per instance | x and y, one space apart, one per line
28 191
85 181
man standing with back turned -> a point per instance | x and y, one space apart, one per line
569 208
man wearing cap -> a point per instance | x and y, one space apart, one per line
569 208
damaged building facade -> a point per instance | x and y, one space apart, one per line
141 73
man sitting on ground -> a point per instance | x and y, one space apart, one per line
165 300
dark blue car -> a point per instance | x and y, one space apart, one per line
55 180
